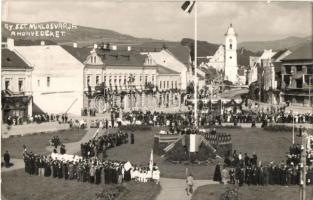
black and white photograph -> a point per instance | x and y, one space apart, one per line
156 100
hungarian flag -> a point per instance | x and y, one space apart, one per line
188 6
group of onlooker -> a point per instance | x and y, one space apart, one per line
99 145
93 170
241 169
37 118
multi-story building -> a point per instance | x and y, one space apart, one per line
57 78
16 76
130 79
296 76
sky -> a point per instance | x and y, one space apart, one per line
253 21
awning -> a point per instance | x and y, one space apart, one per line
37 110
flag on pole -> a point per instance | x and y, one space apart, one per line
151 163
95 135
188 6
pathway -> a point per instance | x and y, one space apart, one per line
175 189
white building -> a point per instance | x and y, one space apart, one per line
224 57
57 78
231 65
166 59
16 76
255 63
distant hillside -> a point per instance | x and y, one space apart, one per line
204 48
80 34
291 43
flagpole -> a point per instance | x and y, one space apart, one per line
195 67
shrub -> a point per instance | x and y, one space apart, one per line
231 193
110 193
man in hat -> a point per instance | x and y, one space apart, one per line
6 158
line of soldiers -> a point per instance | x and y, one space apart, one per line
99 145
92 170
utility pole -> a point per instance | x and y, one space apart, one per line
303 164
195 66
310 104
293 129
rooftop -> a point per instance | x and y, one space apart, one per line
304 52
10 59
121 57
163 70
80 53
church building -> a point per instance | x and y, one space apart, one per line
224 57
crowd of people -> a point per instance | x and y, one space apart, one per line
37 118
271 117
93 170
186 119
99 145
242 169
91 112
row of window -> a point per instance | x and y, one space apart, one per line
48 81
120 79
20 84
166 84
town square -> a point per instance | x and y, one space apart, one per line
156 100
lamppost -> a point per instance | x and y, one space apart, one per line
310 78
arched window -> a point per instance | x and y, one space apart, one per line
230 46
97 80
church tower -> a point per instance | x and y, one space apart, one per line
231 55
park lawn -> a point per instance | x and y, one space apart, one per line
38 142
20 185
214 192
140 191
268 145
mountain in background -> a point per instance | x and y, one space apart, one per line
291 43
82 35
87 36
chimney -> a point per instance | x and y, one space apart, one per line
129 48
114 47
10 43
75 45
42 43
95 46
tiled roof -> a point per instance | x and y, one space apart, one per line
10 59
121 57
304 52
279 53
181 53
80 53
164 70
